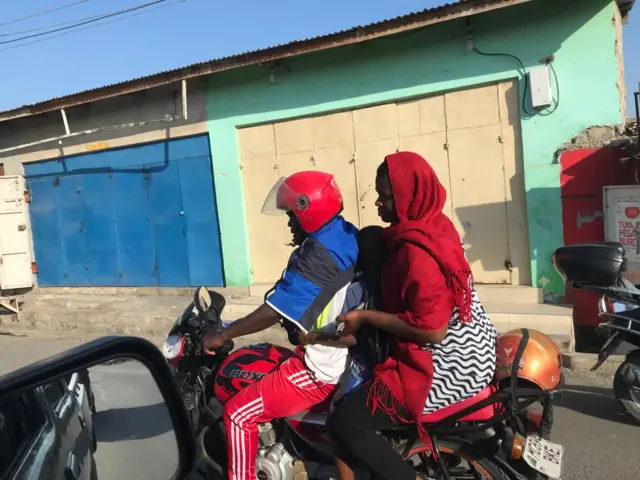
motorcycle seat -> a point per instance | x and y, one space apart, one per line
482 415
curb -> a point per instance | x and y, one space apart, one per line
96 322
276 334
583 362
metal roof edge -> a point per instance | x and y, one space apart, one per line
359 34
625 7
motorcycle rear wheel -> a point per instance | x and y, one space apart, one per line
629 400
480 465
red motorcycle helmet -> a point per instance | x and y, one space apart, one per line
313 197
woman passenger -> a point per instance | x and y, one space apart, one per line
443 343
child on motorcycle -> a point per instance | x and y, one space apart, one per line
372 343
363 292
310 295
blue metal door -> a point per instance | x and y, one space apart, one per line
133 224
138 216
100 226
169 229
45 228
73 229
201 221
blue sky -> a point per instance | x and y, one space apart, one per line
181 33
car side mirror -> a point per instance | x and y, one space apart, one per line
114 399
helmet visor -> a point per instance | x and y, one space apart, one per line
280 199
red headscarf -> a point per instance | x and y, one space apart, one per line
419 199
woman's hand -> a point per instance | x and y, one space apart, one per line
352 321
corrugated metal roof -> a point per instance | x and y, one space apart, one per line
357 34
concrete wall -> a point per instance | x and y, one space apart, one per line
580 33
622 87
147 106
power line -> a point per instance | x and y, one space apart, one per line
47 27
57 24
45 12
113 20
85 22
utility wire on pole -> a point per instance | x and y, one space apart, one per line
85 22
45 12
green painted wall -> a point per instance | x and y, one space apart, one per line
580 33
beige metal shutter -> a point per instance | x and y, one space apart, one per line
278 150
509 100
471 138
478 191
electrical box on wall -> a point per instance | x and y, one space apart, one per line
540 87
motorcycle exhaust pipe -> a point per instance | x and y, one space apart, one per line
205 453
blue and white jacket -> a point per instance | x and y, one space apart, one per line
312 291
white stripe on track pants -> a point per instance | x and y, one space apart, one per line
289 389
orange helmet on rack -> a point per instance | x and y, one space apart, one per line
313 197
540 363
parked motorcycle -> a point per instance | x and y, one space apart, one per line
501 433
600 267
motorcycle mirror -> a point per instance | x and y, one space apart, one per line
202 299
118 414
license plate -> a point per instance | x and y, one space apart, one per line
544 456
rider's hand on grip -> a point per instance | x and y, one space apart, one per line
228 346
210 342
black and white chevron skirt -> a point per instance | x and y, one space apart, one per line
465 361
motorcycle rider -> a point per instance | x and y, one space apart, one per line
310 295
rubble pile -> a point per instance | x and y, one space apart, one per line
631 129
598 136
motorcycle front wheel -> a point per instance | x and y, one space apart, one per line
625 389
461 461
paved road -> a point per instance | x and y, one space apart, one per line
133 428
132 425
600 442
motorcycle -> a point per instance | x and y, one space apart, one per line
501 433
600 267
194 373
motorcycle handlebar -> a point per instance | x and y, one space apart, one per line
196 338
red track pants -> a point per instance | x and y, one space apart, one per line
289 389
